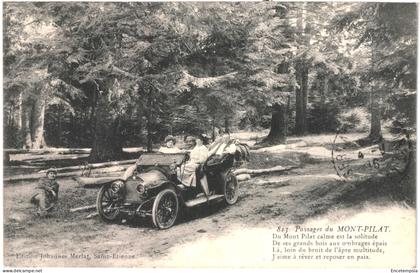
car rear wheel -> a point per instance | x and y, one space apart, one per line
107 203
230 188
165 209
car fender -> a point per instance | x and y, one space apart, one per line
95 181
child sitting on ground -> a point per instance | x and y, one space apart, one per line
46 193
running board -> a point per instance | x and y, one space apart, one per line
202 200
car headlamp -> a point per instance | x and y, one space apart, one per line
141 189
117 186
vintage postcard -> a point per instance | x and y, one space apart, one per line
209 135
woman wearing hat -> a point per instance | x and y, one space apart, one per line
46 193
198 155
169 147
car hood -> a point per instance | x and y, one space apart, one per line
153 178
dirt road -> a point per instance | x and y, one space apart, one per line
68 239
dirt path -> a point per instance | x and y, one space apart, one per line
265 202
262 200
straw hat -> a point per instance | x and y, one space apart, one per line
170 137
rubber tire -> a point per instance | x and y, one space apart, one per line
99 205
229 173
156 204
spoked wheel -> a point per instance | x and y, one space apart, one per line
230 188
107 203
165 209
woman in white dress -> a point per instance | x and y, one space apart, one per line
198 155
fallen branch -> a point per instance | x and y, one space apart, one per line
23 177
93 214
263 171
96 165
54 157
64 150
243 177
83 208
48 150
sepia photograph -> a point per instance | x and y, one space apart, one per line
209 135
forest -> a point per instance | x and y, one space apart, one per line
319 96
111 75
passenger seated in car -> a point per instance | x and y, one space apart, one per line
169 147
222 145
188 173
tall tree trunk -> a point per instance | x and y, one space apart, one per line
107 143
94 102
304 99
375 117
149 120
59 129
227 125
8 116
375 110
302 75
37 126
300 111
324 88
278 130
298 117
149 134
19 112
286 126
26 125
301 100
213 129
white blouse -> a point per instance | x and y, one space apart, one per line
199 154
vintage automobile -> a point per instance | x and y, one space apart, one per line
154 190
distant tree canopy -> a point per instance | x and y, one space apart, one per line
108 75
386 37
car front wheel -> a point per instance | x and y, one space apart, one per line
107 203
165 209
